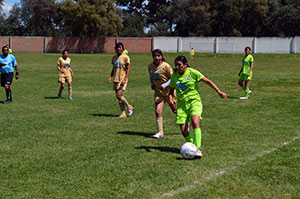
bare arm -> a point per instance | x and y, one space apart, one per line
172 104
212 85
17 72
71 71
58 68
111 75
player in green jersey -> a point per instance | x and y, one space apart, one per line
245 73
189 105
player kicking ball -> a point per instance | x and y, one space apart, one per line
189 105
245 73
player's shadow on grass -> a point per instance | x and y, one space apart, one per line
148 135
160 148
104 115
51 97
232 97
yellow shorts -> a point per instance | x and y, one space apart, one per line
117 86
158 99
64 78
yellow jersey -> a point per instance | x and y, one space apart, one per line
192 52
120 66
159 75
64 65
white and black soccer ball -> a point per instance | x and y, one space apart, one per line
188 150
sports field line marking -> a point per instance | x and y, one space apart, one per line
223 171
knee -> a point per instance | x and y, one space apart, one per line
158 113
118 96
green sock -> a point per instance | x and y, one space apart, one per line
197 135
244 88
246 92
189 138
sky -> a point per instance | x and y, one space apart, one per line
8 5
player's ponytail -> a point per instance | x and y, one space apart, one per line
159 52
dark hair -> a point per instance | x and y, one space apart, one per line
119 44
63 52
248 47
182 59
4 47
159 52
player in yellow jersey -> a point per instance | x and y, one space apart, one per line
160 73
192 53
245 73
65 73
119 74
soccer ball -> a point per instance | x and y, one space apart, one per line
188 150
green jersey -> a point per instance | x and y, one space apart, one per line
186 85
247 60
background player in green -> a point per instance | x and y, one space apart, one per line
189 105
246 73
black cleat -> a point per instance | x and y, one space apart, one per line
7 102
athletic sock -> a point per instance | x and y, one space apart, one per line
244 88
159 124
189 138
122 107
247 92
124 100
70 91
8 94
197 135
60 91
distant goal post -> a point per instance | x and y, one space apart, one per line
212 47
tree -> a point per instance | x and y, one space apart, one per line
91 18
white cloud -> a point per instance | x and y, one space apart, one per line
6 8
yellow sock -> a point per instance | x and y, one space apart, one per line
159 124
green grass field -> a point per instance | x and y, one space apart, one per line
53 148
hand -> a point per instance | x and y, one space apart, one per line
161 87
239 74
61 71
17 76
3 64
173 107
222 94
248 74
108 81
153 87
72 75
123 82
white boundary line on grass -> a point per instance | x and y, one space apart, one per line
223 171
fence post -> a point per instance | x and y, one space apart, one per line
28 46
216 45
10 42
254 45
45 44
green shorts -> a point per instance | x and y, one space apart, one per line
245 77
185 110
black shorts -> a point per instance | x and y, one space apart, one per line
7 78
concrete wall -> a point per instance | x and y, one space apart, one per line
228 44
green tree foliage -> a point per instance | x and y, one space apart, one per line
91 18
133 16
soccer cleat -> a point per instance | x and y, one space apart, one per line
123 115
199 153
158 136
249 93
130 110
70 98
7 102
243 98
59 96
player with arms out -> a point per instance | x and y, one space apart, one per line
120 72
65 73
160 73
189 105
245 73
8 63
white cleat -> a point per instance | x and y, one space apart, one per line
243 98
130 110
199 153
249 93
158 136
